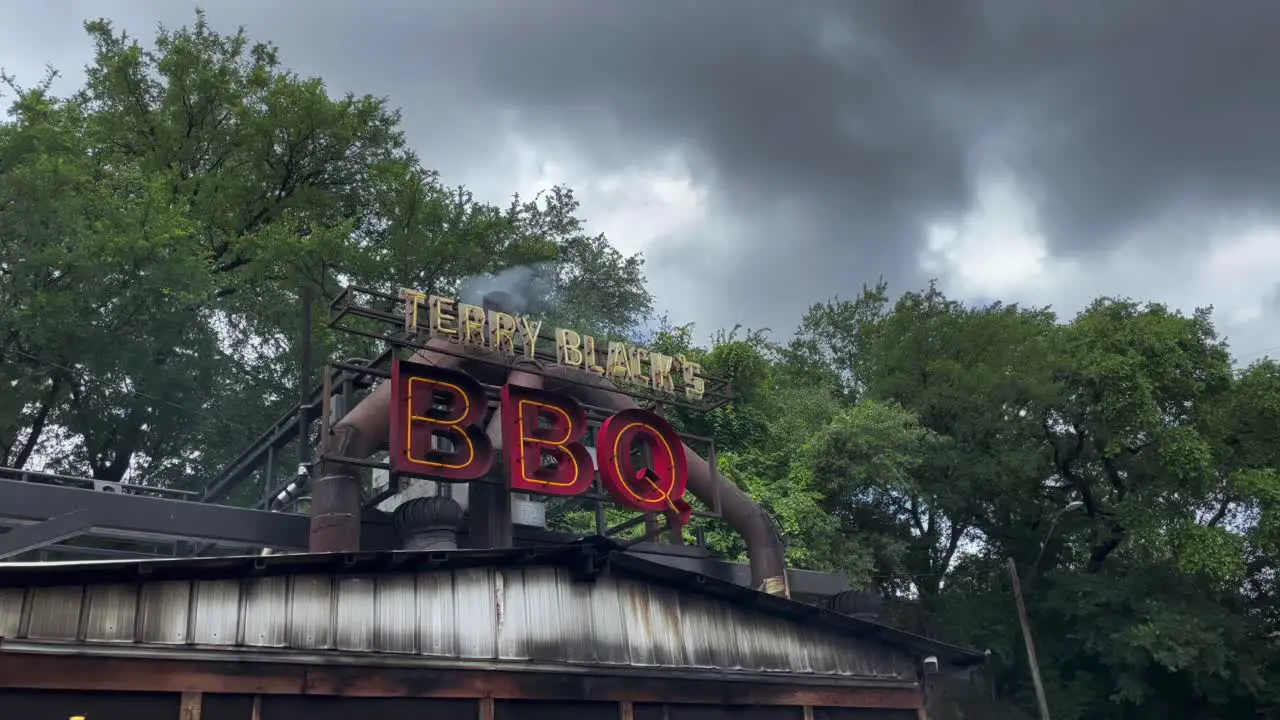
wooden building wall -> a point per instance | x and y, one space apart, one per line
65 704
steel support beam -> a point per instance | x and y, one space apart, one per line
156 517
80 552
164 518
56 529
281 433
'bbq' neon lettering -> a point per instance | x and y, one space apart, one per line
538 426
657 486
435 421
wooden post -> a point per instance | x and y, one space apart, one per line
486 708
627 710
190 708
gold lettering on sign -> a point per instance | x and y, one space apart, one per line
502 332
529 333
443 315
472 322
617 365
589 351
412 302
660 371
623 363
636 358
568 351
694 385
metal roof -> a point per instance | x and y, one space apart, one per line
586 602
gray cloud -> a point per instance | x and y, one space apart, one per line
829 132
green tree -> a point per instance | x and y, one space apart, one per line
158 227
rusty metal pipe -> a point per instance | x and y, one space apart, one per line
765 550
335 486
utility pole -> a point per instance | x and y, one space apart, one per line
1026 637
1022 608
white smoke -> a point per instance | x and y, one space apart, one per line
529 286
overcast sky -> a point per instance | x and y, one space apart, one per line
765 154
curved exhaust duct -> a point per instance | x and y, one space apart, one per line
335 493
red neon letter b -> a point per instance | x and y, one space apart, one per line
541 437
435 423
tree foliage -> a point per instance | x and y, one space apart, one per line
954 436
159 224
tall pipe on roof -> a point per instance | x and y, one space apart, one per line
335 496
335 486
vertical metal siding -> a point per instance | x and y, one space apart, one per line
530 614
609 623
395 607
436 617
55 613
354 628
164 610
113 610
311 612
266 612
217 612
10 611
476 613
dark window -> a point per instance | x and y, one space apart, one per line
63 704
224 707
658 711
537 710
292 707
834 713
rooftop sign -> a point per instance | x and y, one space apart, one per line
522 336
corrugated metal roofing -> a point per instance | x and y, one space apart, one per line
582 605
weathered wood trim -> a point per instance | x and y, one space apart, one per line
68 672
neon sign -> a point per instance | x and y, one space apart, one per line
437 431
627 365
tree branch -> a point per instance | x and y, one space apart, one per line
1063 465
1221 513
37 425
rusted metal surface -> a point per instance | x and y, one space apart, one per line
134 675
167 587
535 615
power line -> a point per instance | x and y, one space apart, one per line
1257 353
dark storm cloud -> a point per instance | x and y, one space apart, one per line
830 132
807 126
840 129
881 112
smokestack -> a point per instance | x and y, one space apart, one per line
428 523
500 301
